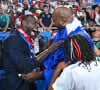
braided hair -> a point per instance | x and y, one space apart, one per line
78 48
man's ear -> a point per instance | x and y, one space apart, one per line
24 23
63 22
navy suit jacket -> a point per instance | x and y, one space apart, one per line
17 60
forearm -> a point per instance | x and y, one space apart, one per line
48 51
38 75
41 23
56 74
42 55
51 25
6 27
33 76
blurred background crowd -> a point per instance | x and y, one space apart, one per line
86 11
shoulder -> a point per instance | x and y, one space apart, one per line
6 15
42 15
13 42
70 72
61 35
71 67
13 38
50 14
65 80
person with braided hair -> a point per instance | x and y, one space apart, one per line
84 71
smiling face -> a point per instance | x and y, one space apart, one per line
28 23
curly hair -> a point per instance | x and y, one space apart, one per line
78 48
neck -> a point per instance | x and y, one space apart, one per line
46 12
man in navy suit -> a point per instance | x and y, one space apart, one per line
18 57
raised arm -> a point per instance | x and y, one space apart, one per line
48 51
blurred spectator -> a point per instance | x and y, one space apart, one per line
12 18
38 4
45 19
5 5
26 11
32 9
96 14
36 12
74 2
4 20
85 18
19 5
18 17
54 5
89 10
10 5
92 23
96 37
64 2
49 4
58 2
85 3
75 12
39 41
90 2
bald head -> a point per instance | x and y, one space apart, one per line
62 14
